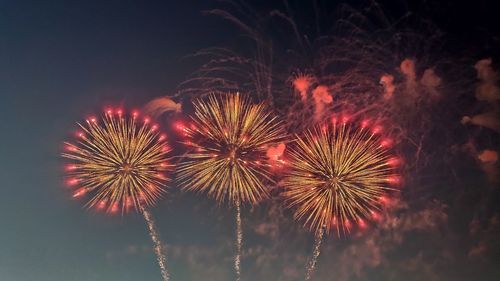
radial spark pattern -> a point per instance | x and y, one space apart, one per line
119 161
338 176
229 137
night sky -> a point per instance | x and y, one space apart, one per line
62 61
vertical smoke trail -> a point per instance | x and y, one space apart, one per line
239 238
160 257
312 262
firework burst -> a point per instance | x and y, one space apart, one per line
120 161
230 137
339 174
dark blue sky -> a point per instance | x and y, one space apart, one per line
63 60
59 62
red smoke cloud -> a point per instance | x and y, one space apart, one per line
274 153
488 89
321 98
302 83
387 81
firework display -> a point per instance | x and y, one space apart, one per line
339 174
120 161
229 137
301 121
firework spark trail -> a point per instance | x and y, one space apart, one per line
339 174
120 162
311 265
239 239
160 256
230 137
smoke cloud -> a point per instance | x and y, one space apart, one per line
488 156
489 164
488 89
431 81
161 105
321 98
302 83
387 81
407 67
488 120
275 152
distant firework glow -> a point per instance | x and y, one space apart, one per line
119 160
339 174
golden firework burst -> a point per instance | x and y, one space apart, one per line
338 174
229 137
119 160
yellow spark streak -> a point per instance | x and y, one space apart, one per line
239 240
119 162
314 259
337 175
159 250
229 140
